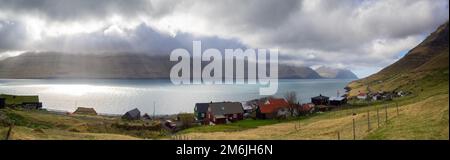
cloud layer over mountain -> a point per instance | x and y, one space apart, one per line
361 35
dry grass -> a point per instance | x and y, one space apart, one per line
423 120
24 133
33 124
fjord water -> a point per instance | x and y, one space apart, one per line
118 96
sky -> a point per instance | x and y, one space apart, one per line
361 35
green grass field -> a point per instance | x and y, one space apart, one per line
237 126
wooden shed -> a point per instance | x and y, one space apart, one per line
133 114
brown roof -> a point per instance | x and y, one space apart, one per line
306 107
84 110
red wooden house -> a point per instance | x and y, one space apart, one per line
271 108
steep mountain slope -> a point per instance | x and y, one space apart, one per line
427 60
427 55
297 72
57 65
335 73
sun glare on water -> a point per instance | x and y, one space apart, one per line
78 90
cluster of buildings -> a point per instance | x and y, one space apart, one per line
381 95
265 108
226 112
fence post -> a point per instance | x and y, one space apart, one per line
378 117
368 120
396 105
299 126
338 135
354 134
386 117
8 134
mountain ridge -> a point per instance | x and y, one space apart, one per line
335 73
32 65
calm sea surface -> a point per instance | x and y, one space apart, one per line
119 96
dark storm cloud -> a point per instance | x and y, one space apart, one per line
249 14
350 33
142 39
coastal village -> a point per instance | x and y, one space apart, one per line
216 113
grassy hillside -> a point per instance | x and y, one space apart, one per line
424 61
33 124
420 116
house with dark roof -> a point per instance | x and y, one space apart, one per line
200 111
224 112
85 111
320 100
338 101
133 114
272 108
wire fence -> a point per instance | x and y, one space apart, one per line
364 122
